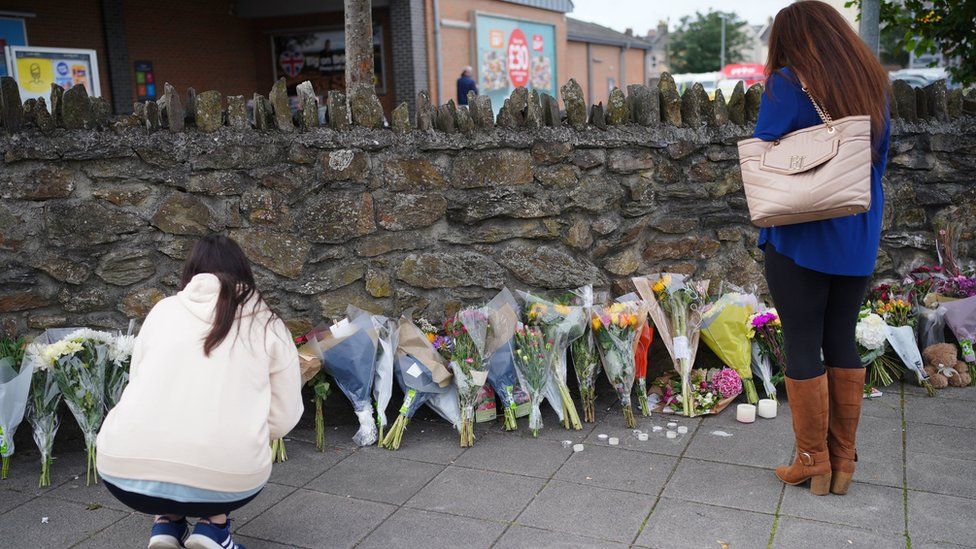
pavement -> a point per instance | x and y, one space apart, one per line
710 488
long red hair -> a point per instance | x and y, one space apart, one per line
836 66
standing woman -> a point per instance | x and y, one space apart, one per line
818 272
214 378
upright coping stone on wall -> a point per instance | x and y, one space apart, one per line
425 112
175 116
618 111
445 120
337 110
400 121
308 106
42 118
11 110
280 107
76 110
481 113
670 100
753 98
574 103
737 104
598 117
533 111
210 114
550 111
720 112
190 107
237 112
643 104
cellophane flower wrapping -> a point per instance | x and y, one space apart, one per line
80 362
900 321
15 382
675 302
42 405
617 328
562 324
387 332
960 316
586 358
724 328
641 349
347 350
765 331
422 374
117 369
470 330
503 312
871 334
534 354
931 325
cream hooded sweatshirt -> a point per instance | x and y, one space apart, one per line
203 421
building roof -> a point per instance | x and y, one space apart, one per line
562 6
584 31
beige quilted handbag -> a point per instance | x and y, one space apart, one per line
820 172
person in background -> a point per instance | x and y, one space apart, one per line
818 272
214 378
465 84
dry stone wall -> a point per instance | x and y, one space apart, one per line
96 219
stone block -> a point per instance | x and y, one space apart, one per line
503 167
452 269
720 112
463 120
670 100
644 105
575 104
335 217
752 100
533 111
209 114
550 267
76 109
598 117
174 108
365 108
425 111
481 113
308 109
125 267
737 104
550 111
237 112
11 108
283 254
183 214
401 118
618 110
403 211
337 110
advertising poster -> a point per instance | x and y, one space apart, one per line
37 68
13 32
319 56
513 53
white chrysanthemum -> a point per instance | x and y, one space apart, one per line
32 355
91 335
870 332
121 349
51 353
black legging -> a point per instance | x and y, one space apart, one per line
818 311
161 506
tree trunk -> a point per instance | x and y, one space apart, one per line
869 27
359 45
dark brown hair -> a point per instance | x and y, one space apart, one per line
222 257
836 66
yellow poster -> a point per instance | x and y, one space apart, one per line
36 74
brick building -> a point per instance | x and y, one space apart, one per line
243 46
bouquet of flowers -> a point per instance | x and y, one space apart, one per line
347 350
15 380
318 381
421 372
725 325
617 328
561 324
117 370
871 334
768 350
675 303
534 353
586 360
900 332
470 330
43 403
640 367
386 331
80 361
503 313
960 316
711 391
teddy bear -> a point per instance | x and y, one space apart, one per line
943 366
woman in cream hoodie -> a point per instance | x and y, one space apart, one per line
214 378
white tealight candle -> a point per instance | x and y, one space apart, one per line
672 434
745 413
767 408
642 437
602 436
682 430
614 441
672 424
577 447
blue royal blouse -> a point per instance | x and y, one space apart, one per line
842 246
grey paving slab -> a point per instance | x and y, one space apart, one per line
132 531
879 508
754 444
305 462
417 528
524 537
430 441
958 393
939 410
255 543
619 469
551 428
880 449
508 454
478 494
676 524
781 424
888 406
942 475
376 474
269 496
10 499
747 488
588 511
66 523
657 441
939 518
942 441
75 490
793 533
25 469
315 519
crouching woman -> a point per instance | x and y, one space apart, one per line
214 378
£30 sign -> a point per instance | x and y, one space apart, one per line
518 58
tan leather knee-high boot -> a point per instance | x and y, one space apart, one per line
846 387
810 407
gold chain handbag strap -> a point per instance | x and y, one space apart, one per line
827 120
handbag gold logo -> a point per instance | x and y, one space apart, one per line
796 162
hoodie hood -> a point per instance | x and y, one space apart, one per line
200 298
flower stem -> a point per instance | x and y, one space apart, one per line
645 407
394 436
629 416
319 425
5 468
571 419
91 474
510 423
750 389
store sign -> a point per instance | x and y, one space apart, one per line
319 56
145 81
13 32
35 69
513 53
